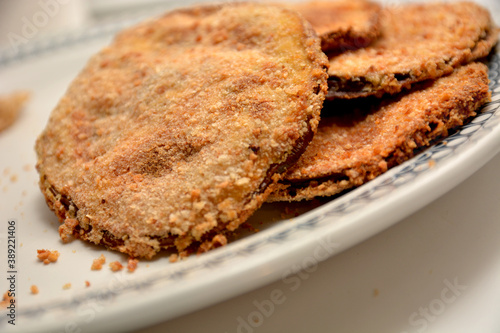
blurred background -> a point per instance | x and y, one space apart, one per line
25 20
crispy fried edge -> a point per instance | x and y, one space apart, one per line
352 39
400 81
452 115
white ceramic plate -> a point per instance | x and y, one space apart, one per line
159 290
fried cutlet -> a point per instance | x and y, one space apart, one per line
356 144
342 24
418 42
173 135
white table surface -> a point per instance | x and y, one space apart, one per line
436 271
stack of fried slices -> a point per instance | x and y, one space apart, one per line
410 86
174 134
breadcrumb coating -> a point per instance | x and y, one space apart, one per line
418 42
174 135
354 145
342 24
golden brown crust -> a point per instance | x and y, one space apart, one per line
171 136
418 42
353 146
342 24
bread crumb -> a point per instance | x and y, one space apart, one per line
66 230
34 289
6 300
87 283
173 257
10 107
47 256
115 266
97 263
132 264
67 286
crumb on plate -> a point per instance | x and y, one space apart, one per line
115 266
7 299
173 257
47 256
10 107
97 263
132 264
34 289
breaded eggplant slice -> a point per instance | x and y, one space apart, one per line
174 135
418 42
342 24
355 145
